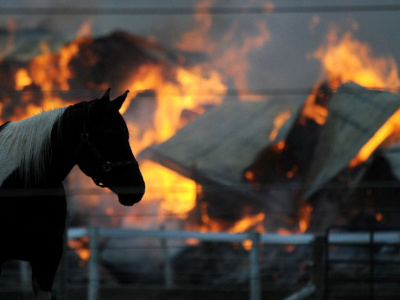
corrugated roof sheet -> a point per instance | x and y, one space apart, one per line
222 142
355 114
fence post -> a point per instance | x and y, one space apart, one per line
318 266
255 276
24 272
167 263
93 288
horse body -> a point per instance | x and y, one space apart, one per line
92 135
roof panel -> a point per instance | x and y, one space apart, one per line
222 142
355 115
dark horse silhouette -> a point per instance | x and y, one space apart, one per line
36 154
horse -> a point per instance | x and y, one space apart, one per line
36 155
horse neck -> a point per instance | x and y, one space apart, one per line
65 141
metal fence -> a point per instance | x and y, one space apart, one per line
320 243
254 254
255 289
368 270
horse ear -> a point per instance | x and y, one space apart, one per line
106 95
117 102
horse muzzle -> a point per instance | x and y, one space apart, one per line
130 198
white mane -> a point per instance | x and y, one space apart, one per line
26 144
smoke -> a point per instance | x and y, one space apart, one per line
280 62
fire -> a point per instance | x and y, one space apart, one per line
344 60
311 109
178 194
391 126
255 222
279 120
229 54
249 221
181 88
280 146
51 71
347 59
304 216
81 248
190 89
177 89
207 223
22 79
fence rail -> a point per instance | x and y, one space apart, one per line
318 242
164 235
387 237
351 238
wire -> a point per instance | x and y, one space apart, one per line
230 92
255 10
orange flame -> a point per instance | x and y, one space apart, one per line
248 222
279 120
187 88
344 60
192 88
80 247
379 217
347 60
304 218
22 79
178 194
389 127
312 110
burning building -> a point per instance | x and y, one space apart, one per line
299 164
216 160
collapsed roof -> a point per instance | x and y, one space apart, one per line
355 115
217 146
220 144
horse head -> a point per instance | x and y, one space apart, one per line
105 153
